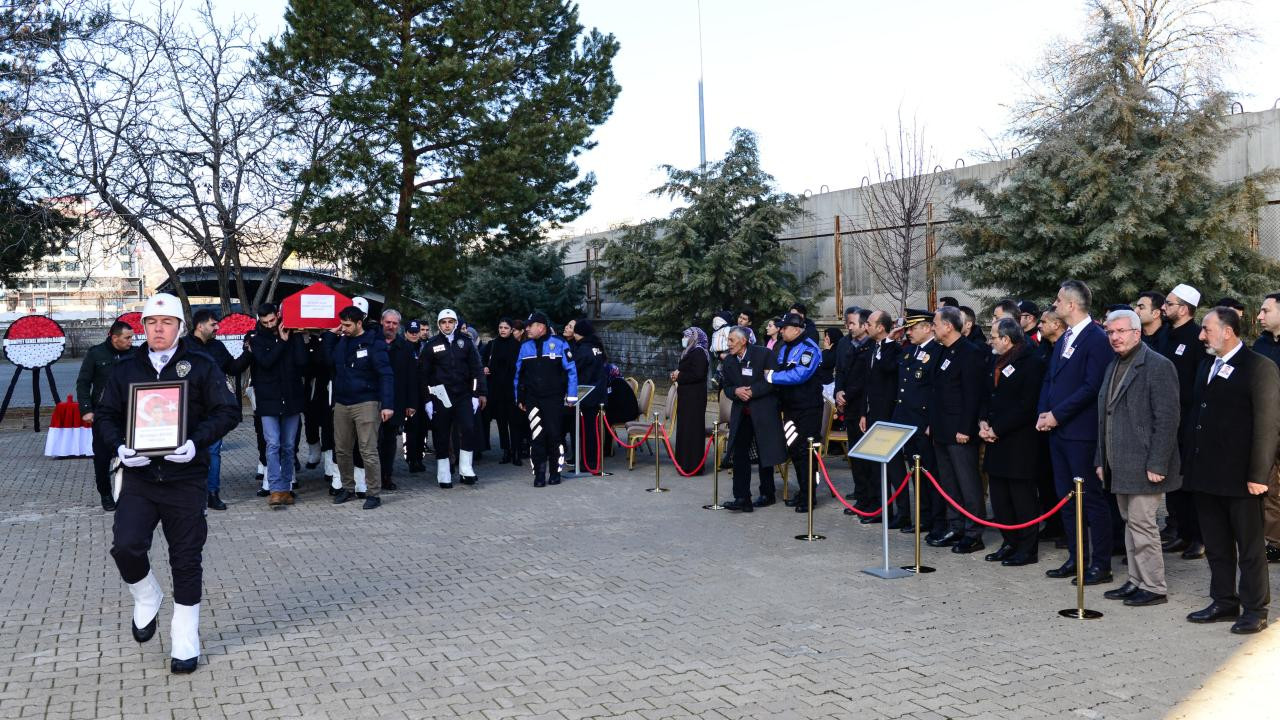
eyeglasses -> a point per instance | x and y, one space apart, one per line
1113 333
1172 303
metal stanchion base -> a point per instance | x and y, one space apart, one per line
888 573
716 506
1078 614
657 490
811 538
913 569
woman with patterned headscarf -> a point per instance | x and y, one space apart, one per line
690 377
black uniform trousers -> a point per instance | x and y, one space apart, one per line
545 432
102 463
1015 501
1233 536
507 418
743 439
448 422
864 472
415 438
808 424
179 507
317 421
933 509
388 436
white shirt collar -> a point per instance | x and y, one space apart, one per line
160 359
1077 329
449 337
1226 358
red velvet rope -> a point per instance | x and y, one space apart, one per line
997 526
618 440
672 453
582 450
823 466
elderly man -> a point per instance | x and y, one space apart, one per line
403 356
1231 447
1137 455
1183 346
1268 344
754 419
1069 413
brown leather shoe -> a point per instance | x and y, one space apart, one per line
276 500
288 497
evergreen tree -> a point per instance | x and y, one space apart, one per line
1116 192
718 252
467 116
517 283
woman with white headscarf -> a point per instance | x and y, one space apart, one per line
690 378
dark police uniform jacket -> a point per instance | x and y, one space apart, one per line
454 364
916 368
545 371
749 372
212 410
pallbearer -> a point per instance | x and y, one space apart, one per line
453 391
168 490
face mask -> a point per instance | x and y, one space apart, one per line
684 342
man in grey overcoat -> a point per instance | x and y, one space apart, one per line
1137 455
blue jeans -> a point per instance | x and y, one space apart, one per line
215 466
281 434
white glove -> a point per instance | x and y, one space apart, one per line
430 412
475 404
130 458
570 400
184 454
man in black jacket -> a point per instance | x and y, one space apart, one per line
1183 346
1268 344
879 398
415 422
452 387
916 368
953 428
404 369
279 358
1231 447
95 370
852 372
363 398
203 339
168 490
753 420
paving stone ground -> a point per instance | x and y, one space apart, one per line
593 599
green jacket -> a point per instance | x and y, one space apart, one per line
96 369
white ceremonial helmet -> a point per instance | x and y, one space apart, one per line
447 314
165 305
361 303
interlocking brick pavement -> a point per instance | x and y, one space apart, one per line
592 599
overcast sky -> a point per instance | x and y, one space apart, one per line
820 81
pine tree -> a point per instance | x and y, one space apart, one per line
517 283
1116 192
719 252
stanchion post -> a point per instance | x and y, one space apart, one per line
1079 612
602 435
917 568
657 457
715 481
809 536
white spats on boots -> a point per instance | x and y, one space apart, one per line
443 476
147 598
464 463
313 454
262 473
184 636
331 471
361 485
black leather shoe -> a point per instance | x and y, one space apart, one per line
1273 554
109 504
553 480
791 501
899 522
144 634
1143 598
468 479
872 520
1194 551
263 493
1122 592
1175 545
539 482
1216 612
907 529
968 545
1095 576
805 507
390 485
506 458
951 537
372 502
1248 625
999 555
342 496
215 502
764 501
1068 569
183 667
1016 561
743 505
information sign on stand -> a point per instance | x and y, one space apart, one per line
881 443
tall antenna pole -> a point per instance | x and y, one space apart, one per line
702 115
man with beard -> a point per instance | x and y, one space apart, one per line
1182 346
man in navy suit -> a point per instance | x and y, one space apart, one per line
1069 413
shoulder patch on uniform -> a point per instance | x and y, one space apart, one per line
806 358
461 343
182 368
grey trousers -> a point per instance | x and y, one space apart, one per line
958 475
1142 541
354 424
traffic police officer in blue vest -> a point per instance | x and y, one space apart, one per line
800 396
546 381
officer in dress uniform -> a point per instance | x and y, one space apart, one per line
546 381
168 490
800 397
415 427
453 391
916 368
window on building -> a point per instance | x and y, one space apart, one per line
72 266
53 267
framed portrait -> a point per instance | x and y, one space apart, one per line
157 417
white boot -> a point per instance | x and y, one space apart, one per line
147 598
464 466
443 476
361 485
331 471
313 454
262 470
184 637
